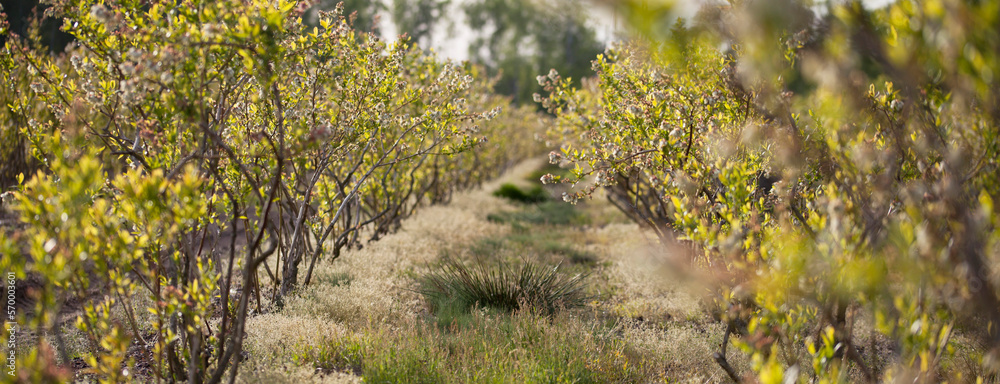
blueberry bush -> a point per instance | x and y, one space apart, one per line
831 167
205 157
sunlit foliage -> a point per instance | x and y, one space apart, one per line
830 166
182 147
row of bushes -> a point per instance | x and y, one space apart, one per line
185 149
830 168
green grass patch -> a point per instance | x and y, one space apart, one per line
335 279
488 248
547 213
417 363
539 230
345 356
490 348
549 244
512 192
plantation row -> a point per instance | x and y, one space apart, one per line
829 170
181 147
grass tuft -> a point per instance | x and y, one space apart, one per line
527 287
335 279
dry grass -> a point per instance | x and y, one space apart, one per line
380 288
362 314
292 374
379 291
273 336
363 320
645 285
663 303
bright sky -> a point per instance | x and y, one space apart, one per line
452 41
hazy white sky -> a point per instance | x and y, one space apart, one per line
451 39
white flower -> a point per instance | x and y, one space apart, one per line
134 54
554 157
77 61
127 87
676 132
570 198
128 69
896 105
100 12
541 80
93 98
494 112
130 92
49 245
